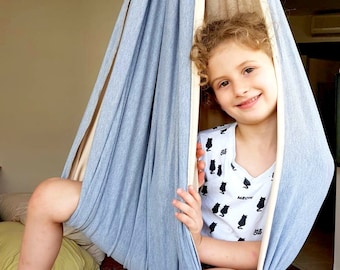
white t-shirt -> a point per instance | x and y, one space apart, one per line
234 204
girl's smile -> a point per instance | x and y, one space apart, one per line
248 103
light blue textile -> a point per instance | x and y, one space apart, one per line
139 153
308 166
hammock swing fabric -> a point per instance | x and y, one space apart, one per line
136 143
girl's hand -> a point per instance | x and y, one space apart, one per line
190 213
200 164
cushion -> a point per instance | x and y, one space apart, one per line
71 256
13 207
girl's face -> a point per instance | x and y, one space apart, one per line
244 82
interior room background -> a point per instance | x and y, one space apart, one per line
50 55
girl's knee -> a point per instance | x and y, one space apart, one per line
55 199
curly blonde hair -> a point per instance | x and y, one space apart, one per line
248 29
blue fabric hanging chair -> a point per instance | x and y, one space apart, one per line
136 143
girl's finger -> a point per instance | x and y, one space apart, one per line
190 197
193 192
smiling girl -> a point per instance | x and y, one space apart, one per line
227 216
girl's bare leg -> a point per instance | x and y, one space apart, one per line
52 203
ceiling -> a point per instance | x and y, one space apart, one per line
307 7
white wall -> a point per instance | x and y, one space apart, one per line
50 52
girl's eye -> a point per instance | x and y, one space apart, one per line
249 70
223 84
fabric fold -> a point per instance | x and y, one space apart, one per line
139 151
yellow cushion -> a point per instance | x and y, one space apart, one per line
71 256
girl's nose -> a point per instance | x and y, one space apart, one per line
240 88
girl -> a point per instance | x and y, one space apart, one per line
227 216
